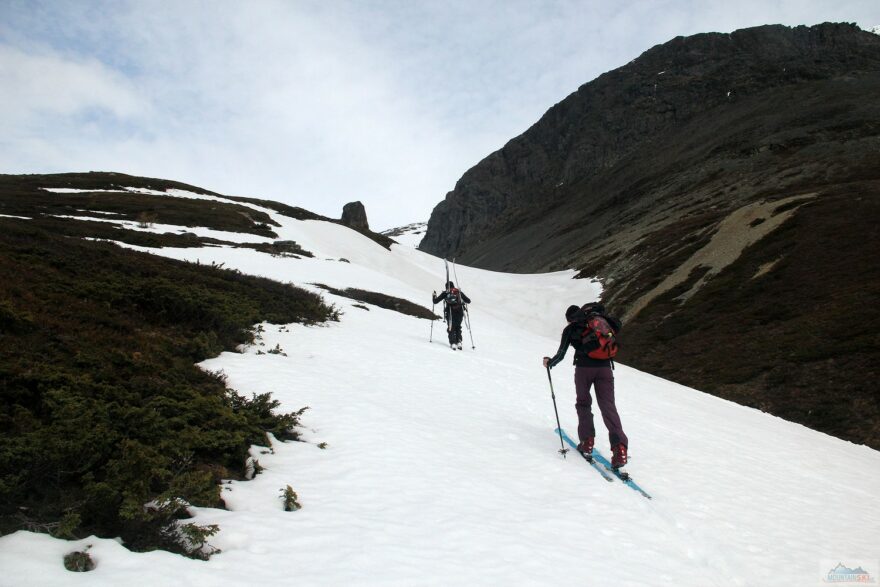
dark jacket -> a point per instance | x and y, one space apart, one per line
455 309
571 336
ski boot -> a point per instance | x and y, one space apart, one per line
618 456
585 447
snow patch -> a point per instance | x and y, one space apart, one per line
766 268
410 235
234 237
742 228
77 191
99 212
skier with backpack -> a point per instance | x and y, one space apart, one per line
592 334
454 301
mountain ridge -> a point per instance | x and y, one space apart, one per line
741 147
622 108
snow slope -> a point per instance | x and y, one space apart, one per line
441 467
410 235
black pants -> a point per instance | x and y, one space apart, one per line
453 325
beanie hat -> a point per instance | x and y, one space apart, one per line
570 312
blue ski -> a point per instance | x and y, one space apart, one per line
598 459
622 475
595 465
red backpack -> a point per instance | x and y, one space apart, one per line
598 328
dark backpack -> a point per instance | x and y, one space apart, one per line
602 329
453 297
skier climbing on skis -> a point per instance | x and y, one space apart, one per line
593 352
454 301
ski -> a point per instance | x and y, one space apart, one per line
622 475
592 462
467 314
446 317
598 459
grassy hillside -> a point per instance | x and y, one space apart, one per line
102 409
791 328
25 195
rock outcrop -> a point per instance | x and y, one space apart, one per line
355 215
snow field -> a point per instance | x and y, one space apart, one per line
441 466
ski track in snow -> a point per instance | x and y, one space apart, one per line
441 466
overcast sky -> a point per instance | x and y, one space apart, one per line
320 102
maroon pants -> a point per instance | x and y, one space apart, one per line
603 379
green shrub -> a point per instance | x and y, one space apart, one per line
382 300
79 561
291 499
195 539
107 427
279 249
11 320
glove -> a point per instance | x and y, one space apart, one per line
547 362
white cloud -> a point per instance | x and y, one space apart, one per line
319 103
50 84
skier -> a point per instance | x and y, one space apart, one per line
454 301
589 371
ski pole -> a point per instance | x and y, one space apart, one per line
562 449
431 338
467 319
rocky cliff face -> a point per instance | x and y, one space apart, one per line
707 83
714 184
